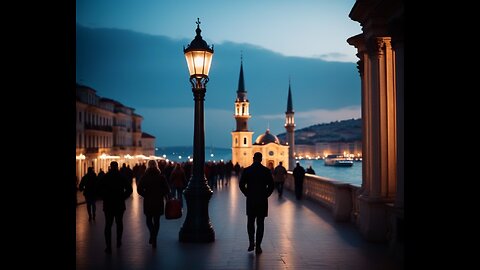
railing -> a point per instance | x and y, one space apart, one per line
339 197
96 127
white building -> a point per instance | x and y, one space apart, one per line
107 130
269 145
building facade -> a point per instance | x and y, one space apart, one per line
107 130
323 149
350 149
243 147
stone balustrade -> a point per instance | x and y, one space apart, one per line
337 196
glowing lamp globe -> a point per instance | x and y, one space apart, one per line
198 55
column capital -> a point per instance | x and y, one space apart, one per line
378 45
358 42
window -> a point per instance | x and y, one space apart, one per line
236 141
244 140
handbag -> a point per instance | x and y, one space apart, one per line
173 209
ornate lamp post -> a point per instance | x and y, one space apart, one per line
197 226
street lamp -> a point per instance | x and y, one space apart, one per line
197 226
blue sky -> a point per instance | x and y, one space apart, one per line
144 67
309 28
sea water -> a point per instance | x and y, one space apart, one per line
351 175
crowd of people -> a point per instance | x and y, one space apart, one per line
161 180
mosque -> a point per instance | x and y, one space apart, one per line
272 149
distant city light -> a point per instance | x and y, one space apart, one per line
211 154
179 157
164 156
156 148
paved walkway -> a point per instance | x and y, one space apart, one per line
298 235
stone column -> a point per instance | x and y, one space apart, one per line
363 69
398 48
383 118
397 239
382 110
379 143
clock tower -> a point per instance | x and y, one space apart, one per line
242 137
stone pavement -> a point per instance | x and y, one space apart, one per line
298 235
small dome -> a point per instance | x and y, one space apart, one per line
267 138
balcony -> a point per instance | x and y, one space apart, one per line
97 127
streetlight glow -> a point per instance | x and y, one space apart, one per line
198 55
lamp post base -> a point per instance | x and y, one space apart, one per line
197 227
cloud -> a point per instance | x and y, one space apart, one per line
318 116
334 56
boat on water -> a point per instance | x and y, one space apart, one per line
338 160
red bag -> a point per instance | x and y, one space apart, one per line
173 209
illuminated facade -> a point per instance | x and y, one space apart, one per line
323 149
106 130
243 147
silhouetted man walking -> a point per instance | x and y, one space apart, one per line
256 183
114 189
279 176
298 175
89 185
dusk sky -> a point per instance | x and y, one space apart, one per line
309 28
309 35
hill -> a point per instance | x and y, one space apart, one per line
337 131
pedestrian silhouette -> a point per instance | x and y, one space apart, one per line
114 189
153 187
298 175
178 182
279 176
310 170
89 187
256 183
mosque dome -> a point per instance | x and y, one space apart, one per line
267 138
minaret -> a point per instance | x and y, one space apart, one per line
290 127
242 137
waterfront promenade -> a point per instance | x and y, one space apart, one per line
298 235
